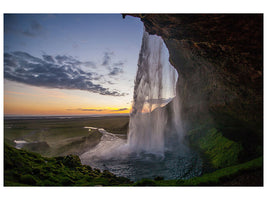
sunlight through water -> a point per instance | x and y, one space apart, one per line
155 144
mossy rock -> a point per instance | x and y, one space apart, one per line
221 151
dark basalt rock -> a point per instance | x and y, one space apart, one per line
219 58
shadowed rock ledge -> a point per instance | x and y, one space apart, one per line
219 58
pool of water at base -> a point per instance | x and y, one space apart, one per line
174 165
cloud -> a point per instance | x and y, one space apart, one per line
107 58
115 71
99 110
110 82
119 64
35 29
48 58
114 68
61 71
89 109
12 24
121 109
89 64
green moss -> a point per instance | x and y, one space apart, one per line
217 151
221 151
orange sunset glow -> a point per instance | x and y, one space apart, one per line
42 101
65 65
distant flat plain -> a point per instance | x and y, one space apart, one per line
58 136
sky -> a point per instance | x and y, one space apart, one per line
70 64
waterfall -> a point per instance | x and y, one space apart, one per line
151 121
154 146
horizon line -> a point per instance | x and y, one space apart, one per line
61 115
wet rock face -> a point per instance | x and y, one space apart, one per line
219 59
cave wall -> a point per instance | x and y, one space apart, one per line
219 58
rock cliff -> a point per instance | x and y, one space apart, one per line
219 58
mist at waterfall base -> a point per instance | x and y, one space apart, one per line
155 144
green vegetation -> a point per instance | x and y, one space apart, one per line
225 174
217 150
22 168
59 137
247 133
219 177
221 151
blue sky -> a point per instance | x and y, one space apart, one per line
82 35
89 56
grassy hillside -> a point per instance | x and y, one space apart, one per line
56 139
22 168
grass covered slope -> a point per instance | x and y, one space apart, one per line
22 168
221 151
218 150
223 162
